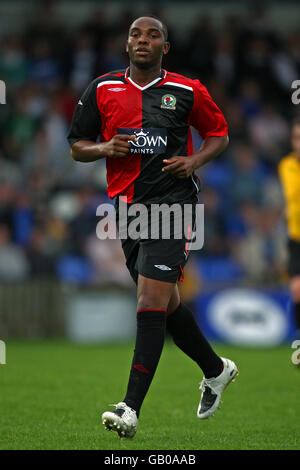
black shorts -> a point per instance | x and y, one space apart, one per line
158 257
293 258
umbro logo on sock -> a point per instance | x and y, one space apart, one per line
163 267
141 368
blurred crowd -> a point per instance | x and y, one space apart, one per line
48 202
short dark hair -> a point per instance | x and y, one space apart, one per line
164 27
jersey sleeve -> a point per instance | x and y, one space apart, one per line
86 122
289 179
205 115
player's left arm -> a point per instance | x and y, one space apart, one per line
208 119
183 167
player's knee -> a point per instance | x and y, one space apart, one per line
295 289
150 301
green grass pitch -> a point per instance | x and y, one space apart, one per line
52 395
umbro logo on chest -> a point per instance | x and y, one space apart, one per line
168 101
117 89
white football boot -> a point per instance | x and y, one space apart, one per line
123 420
212 389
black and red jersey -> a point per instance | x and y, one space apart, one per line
160 115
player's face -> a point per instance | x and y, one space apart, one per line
296 139
146 44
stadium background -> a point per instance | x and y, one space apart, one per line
66 299
248 55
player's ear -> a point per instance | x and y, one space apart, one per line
166 47
126 46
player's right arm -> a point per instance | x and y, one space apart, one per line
88 151
85 129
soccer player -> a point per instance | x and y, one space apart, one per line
289 173
143 116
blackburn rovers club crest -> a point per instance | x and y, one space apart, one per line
168 102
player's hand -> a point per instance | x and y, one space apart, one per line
181 167
118 146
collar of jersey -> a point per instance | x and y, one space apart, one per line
161 77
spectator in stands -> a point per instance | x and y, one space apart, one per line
14 265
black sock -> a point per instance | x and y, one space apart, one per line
151 327
297 315
187 335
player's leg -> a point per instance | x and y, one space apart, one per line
295 292
187 335
293 266
218 371
153 298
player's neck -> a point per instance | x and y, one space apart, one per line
143 77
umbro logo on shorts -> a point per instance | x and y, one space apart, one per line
163 267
